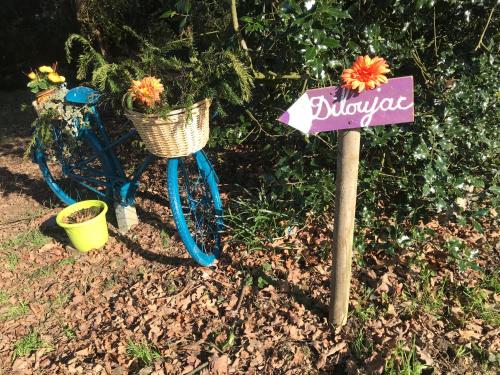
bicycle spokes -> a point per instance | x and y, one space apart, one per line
198 206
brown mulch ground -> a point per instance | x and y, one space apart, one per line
260 312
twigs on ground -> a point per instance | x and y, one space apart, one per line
240 299
199 368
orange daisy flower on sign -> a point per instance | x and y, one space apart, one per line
147 90
365 74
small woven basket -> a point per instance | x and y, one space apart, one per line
41 98
179 133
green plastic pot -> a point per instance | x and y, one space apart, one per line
91 234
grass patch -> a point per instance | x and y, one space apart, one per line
12 260
165 238
110 281
15 311
254 222
489 360
43 271
365 313
492 281
27 345
68 332
49 269
60 300
476 303
31 239
404 361
361 346
66 262
143 352
4 297
425 296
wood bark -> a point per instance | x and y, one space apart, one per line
345 207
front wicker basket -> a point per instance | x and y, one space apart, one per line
180 133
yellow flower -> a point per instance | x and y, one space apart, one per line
54 77
45 69
32 75
62 79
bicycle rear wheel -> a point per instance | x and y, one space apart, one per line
196 206
74 168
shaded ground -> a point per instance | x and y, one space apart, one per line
140 305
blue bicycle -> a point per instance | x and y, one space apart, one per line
84 165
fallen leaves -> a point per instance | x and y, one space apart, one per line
219 365
221 320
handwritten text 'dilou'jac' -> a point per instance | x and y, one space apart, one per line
335 108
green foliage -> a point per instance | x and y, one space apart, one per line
217 74
104 76
444 163
461 254
15 311
27 345
38 85
12 260
4 297
31 239
404 361
476 301
69 332
361 346
55 113
142 351
42 26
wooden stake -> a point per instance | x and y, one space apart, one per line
345 206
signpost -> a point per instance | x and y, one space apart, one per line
336 108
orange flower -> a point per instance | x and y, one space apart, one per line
147 90
365 73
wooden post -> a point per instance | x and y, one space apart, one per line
345 207
332 108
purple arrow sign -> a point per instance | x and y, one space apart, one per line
337 108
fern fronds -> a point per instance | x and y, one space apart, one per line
245 79
87 47
229 94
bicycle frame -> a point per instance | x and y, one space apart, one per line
92 164
123 188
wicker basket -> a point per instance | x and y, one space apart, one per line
180 133
45 95
41 98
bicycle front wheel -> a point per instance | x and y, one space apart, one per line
196 206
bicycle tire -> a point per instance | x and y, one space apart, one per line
198 217
67 189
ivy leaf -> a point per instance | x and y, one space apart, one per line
336 12
261 282
169 14
476 225
332 43
266 267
